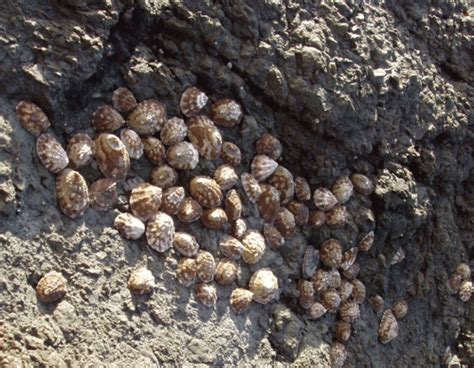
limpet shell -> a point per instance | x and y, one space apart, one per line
225 176
464 270
160 232
262 167
317 218
51 154
145 201
192 101
334 278
465 291
398 256
32 118
299 211
349 311
351 272
362 184
285 223
51 287
240 300
226 112
227 272
338 354
269 145
310 262
343 331
316 311
330 253
174 131
141 281
172 199
239 228
268 202
400 308
349 257
331 300
264 286
233 205
163 176
272 236
112 156
231 154
231 247
214 218
337 216
251 187
103 194
186 271
148 117
345 290
154 150
302 189
133 143
80 150
182 156
324 199
205 266
206 191
366 242
320 280
305 293
189 211
282 179
129 226
377 303
254 247
186 244
123 100
205 136
107 119
342 189
388 328
206 294
358 292
72 193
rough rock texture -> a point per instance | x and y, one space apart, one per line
383 88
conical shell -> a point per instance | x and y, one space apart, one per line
299 211
174 131
377 303
124 100
112 156
317 218
349 257
334 278
231 154
254 247
214 218
398 256
225 176
388 328
186 244
32 118
240 300
226 112
51 287
154 150
103 194
231 247
400 308
273 237
145 201
141 281
205 266
465 291
206 294
192 101
362 184
80 150
227 271
285 223
186 271
282 179
302 189
264 286
338 354
206 191
163 176
330 253
251 187
320 280
262 167
352 272
305 293
238 228
464 270
72 193
160 232
324 199
343 189
51 154
269 145
133 143
316 311
268 203
331 300
172 199
349 311
366 242
107 119
129 226
182 156
148 117
337 217
189 211
358 292
233 205
345 290
205 136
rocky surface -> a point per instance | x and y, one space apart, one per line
384 88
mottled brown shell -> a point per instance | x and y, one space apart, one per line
465 291
231 247
464 270
251 187
32 118
338 354
349 257
192 101
160 232
240 300
214 218
227 271
264 286
51 287
154 150
316 311
398 256
342 189
299 211
80 150
129 226
352 272
112 156
205 266
377 303
124 100
206 294
345 290
186 244
282 179
285 223
145 201
205 136
233 205
231 154
388 328
320 280
225 176
272 236
317 218
141 281
310 262
72 193
262 167
174 131
148 117
334 278
189 211
172 199
324 199
331 253
343 331
254 247
186 271
107 119
337 216
182 156
358 293
331 300
362 184
349 311
238 228
269 145
51 154
206 191
226 112
400 308
305 293
302 189
163 176
366 242
132 142
103 194
268 202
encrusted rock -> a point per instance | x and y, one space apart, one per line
141 281
80 150
183 156
189 211
264 286
103 194
231 154
129 226
51 287
160 232
123 100
132 142
107 119
32 118
226 112
205 136
72 193
269 145
163 176
112 156
174 131
51 154
148 117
